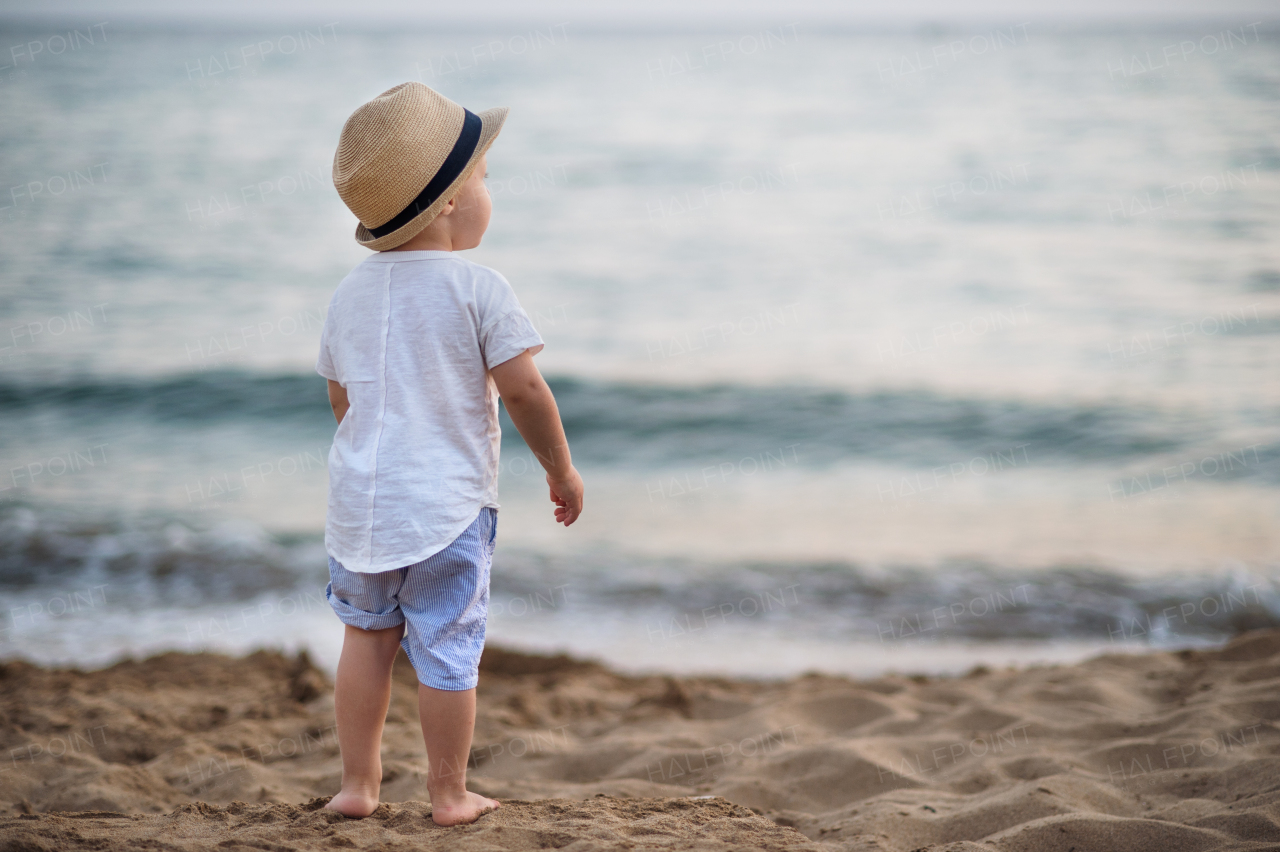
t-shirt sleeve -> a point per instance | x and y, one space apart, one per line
505 329
324 364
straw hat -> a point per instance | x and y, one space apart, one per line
403 155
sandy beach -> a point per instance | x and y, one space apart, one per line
1165 751
918 361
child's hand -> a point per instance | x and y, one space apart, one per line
566 493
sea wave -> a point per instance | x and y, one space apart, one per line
53 564
655 424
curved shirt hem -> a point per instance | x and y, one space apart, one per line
426 553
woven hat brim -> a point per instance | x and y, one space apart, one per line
491 121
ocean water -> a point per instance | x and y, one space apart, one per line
876 350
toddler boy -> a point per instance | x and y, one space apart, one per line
418 346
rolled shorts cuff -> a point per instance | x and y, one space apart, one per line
438 676
355 617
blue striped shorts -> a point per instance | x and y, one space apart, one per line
443 601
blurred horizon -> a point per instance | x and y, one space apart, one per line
663 13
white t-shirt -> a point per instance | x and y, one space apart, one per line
411 335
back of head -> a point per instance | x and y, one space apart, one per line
403 155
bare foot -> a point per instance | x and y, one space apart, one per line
460 810
353 803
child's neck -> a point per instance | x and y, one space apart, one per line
426 241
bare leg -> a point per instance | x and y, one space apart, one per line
361 696
448 721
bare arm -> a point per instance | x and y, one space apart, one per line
338 400
533 410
